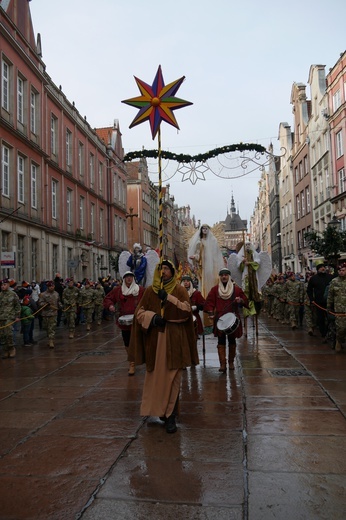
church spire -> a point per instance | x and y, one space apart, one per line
233 210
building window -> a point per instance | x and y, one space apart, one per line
20 100
336 100
5 169
303 203
115 186
307 198
299 239
5 248
80 159
296 178
20 257
20 178
342 180
33 111
55 256
92 170
81 212
53 135
68 149
300 170
321 188
115 228
54 199
34 186
306 168
69 207
5 83
101 224
34 258
92 218
339 145
100 177
298 207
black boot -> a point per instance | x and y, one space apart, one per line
171 426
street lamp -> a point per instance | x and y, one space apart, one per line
335 223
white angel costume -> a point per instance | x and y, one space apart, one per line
151 260
205 257
250 270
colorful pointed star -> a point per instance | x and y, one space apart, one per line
157 102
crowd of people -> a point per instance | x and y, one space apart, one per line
160 324
49 304
316 301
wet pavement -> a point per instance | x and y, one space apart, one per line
265 441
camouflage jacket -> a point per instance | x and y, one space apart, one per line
49 302
294 291
99 295
70 297
337 295
10 307
279 291
87 298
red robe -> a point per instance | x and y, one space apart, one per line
220 307
197 299
126 304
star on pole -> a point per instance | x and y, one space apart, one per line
157 102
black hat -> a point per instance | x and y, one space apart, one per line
224 270
186 277
169 264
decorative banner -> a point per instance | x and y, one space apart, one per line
157 102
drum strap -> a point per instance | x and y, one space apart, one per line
227 308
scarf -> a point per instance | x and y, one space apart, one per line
168 286
190 291
133 290
225 292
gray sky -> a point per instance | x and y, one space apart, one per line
240 59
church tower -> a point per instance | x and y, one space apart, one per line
235 228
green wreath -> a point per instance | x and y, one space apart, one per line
201 157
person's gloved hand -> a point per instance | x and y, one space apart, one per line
158 321
162 294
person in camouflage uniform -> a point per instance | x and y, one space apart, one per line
87 302
49 303
10 310
309 309
268 297
336 302
99 297
294 298
70 298
279 292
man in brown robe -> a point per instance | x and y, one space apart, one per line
163 338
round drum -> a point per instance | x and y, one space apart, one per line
126 319
228 323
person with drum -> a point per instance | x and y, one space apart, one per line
197 302
222 307
163 338
125 298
